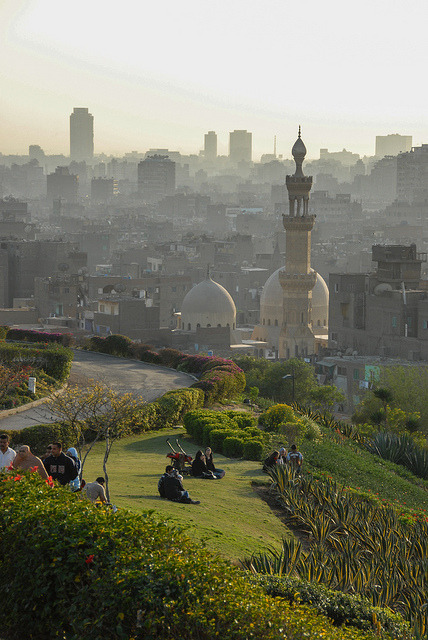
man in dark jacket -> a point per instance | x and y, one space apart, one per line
60 466
173 487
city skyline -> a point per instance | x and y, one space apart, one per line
158 77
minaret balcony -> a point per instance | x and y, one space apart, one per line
297 281
298 223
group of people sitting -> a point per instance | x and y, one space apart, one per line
292 458
170 485
64 467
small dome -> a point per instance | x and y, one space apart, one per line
208 304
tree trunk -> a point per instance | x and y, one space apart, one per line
106 454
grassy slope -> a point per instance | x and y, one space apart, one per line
353 467
231 518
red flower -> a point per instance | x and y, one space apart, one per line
10 467
18 477
90 559
33 469
49 481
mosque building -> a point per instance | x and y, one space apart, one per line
294 302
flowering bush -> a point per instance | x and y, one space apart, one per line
94 574
29 335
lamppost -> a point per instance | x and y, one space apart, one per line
290 376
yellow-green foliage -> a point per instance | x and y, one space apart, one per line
276 415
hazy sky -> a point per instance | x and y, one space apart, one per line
161 74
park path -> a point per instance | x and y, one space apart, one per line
122 375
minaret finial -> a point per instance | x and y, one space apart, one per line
300 131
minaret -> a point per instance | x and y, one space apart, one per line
297 279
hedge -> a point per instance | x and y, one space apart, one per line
213 428
341 608
29 335
54 359
73 570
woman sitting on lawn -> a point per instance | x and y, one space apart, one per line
210 464
199 467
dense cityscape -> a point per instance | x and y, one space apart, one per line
99 245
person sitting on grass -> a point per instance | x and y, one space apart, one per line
174 489
95 490
270 461
25 460
219 473
294 459
199 467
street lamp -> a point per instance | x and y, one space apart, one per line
290 376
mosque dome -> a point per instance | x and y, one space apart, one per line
208 304
271 302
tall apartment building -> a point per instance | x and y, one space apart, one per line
210 146
62 184
156 178
392 145
240 145
81 134
412 175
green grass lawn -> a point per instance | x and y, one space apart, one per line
231 519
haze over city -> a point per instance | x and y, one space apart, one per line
160 75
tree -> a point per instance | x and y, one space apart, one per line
268 377
114 422
96 410
325 397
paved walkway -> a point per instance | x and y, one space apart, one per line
144 380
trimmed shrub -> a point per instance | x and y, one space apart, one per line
233 447
54 359
170 357
276 415
39 436
253 450
150 356
242 419
118 345
29 335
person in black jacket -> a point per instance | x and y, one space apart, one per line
219 473
173 487
60 466
199 467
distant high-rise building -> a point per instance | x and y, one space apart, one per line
156 178
210 145
392 145
103 189
35 152
62 184
240 145
81 134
